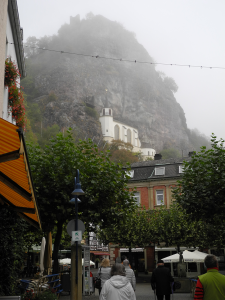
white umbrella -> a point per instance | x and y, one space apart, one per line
42 252
188 256
65 261
172 258
201 254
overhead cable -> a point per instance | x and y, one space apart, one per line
124 60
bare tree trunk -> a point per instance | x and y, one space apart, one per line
56 247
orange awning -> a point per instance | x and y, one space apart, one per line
16 186
99 253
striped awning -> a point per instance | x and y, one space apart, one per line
16 186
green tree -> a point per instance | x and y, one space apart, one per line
12 249
170 153
171 227
201 190
106 199
121 152
132 231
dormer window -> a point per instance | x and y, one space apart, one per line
181 169
130 173
160 171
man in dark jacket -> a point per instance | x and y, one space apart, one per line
161 281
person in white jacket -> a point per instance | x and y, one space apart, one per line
118 287
130 273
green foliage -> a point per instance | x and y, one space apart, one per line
170 153
106 198
171 227
91 112
12 248
121 152
201 190
132 231
47 133
45 295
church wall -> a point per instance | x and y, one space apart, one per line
113 130
107 126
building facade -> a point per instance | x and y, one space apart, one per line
116 130
16 185
153 182
11 46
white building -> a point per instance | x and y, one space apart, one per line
16 185
11 46
116 130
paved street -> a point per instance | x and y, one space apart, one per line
143 292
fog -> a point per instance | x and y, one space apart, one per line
186 32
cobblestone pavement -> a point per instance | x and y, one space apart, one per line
143 292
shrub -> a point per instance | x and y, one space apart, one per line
91 112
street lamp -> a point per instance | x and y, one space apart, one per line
77 192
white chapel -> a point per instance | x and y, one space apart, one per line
116 130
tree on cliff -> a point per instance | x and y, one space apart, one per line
106 198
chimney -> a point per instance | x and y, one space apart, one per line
191 153
158 156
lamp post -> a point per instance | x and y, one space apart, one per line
77 191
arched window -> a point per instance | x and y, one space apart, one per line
129 136
116 132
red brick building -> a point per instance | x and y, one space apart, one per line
154 181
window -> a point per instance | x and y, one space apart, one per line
116 132
137 197
160 171
181 169
129 136
159 197
130 173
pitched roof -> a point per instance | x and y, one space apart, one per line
145 170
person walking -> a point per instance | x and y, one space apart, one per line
122 260
104 272
212 284
130 273
118 287
161 281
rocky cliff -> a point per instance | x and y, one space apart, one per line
137 93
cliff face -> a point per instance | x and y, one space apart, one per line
137 93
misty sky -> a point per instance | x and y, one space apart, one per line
173 31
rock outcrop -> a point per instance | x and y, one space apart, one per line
137 93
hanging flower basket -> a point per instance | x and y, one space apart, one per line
16 105
16 98
11 72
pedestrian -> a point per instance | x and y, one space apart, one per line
123 258
130 274
212 284
96 263
118 287
161 281
104 272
